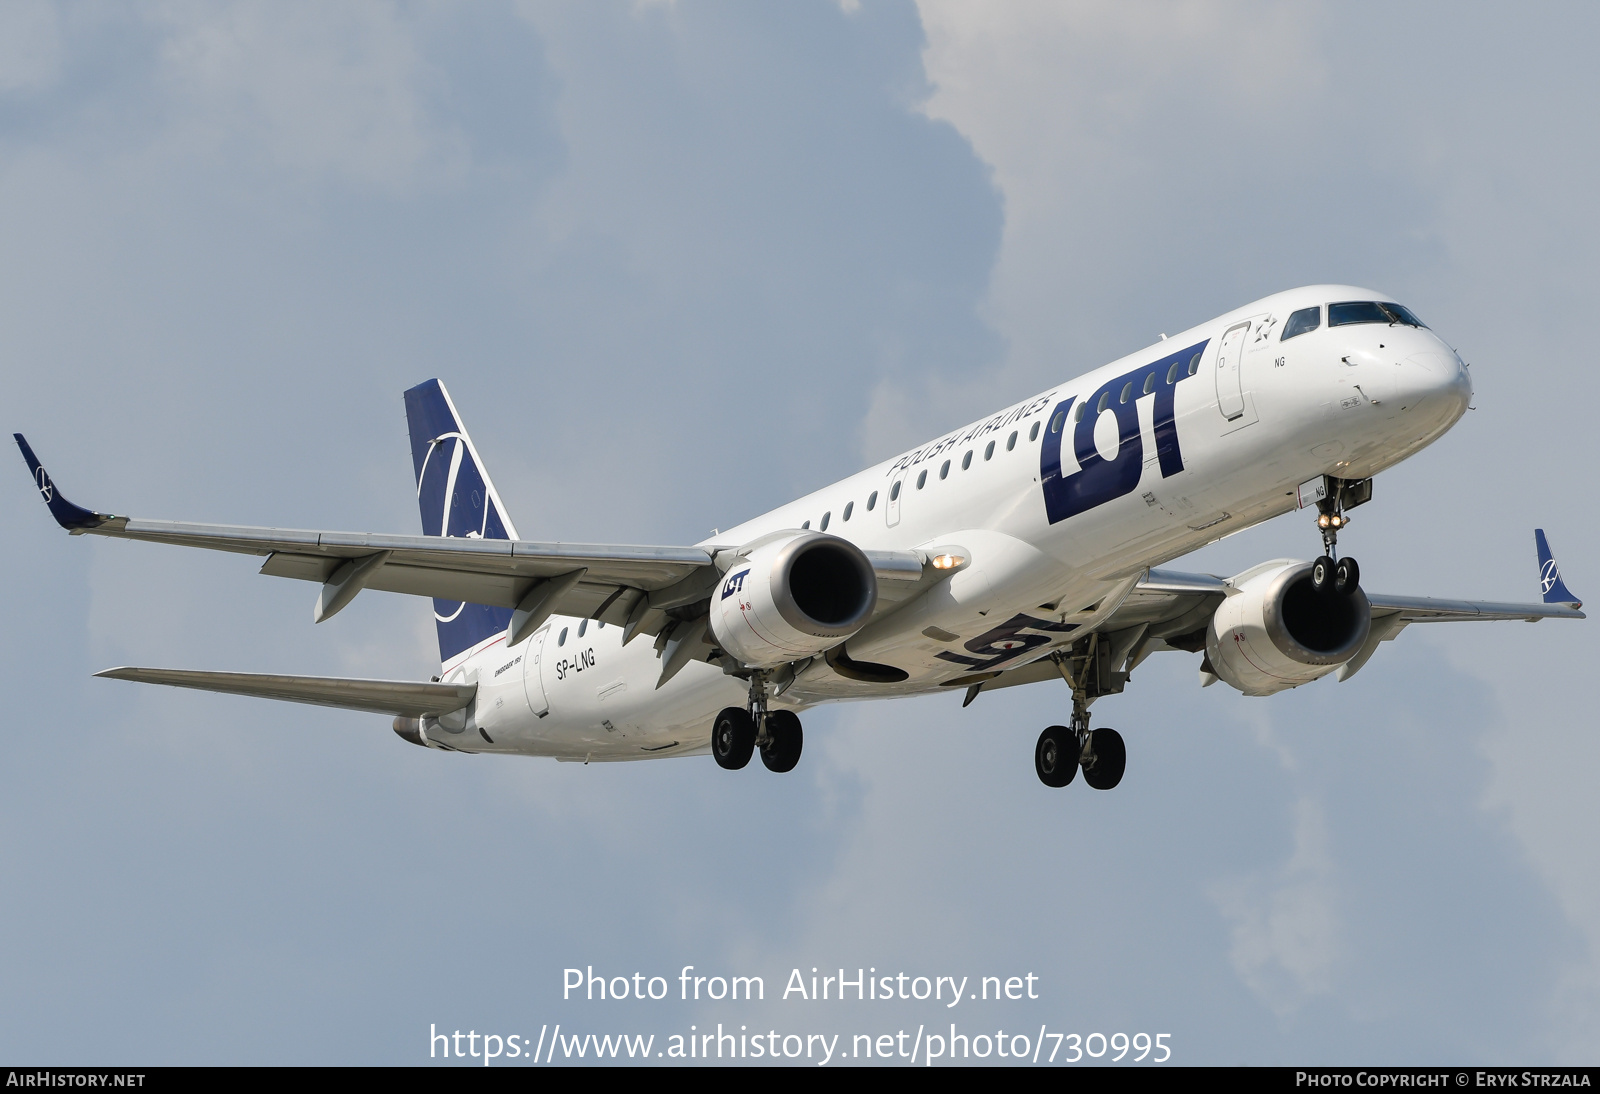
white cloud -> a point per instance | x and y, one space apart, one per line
1287 937
336 89
1085 110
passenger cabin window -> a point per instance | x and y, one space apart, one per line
1194 364
1057 422
562 641
872 498
1172 373
894 493
823 527
1301 322
944 469
1033 434
805 525
1149 384
1368 311
1105 401
1077 415
966 461
1011 442
1127 390
922 480
583 626
988 452
849 506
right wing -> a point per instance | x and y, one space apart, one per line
638 587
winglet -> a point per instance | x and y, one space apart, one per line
1555 590
71 517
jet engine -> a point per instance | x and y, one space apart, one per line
1278 632
791 598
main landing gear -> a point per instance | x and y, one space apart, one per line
738 732
1330 573
1062 750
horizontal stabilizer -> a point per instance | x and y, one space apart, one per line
403 697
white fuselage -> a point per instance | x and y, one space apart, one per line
1189 453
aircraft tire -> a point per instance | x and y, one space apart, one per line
784 741
1346 576
1322 574
1110 759
733 738
1055 757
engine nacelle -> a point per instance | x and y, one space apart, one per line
793 598
1277 632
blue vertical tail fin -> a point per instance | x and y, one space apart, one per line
1555 590
456 499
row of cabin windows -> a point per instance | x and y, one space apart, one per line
922 478
966 460
1174 373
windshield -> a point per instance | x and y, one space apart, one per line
1368 311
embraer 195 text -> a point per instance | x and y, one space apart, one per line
1014 550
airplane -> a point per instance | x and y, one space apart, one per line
1021 548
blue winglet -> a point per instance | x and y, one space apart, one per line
1555 590
69 516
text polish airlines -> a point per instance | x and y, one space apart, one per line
1018 549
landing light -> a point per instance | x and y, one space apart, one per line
947 562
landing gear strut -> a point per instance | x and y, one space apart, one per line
737 733
1330 573
1061 750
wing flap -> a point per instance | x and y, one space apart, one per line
403 697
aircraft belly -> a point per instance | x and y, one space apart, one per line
604 704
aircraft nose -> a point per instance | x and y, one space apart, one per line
1435 383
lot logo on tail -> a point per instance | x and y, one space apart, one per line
1554 590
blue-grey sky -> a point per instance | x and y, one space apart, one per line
678 262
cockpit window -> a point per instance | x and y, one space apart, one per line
1404 315
1367 311
1306 319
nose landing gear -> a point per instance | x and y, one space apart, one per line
1330 573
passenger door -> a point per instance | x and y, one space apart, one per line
1230 381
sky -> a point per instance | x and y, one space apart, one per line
678 263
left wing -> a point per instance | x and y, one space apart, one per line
1171 610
